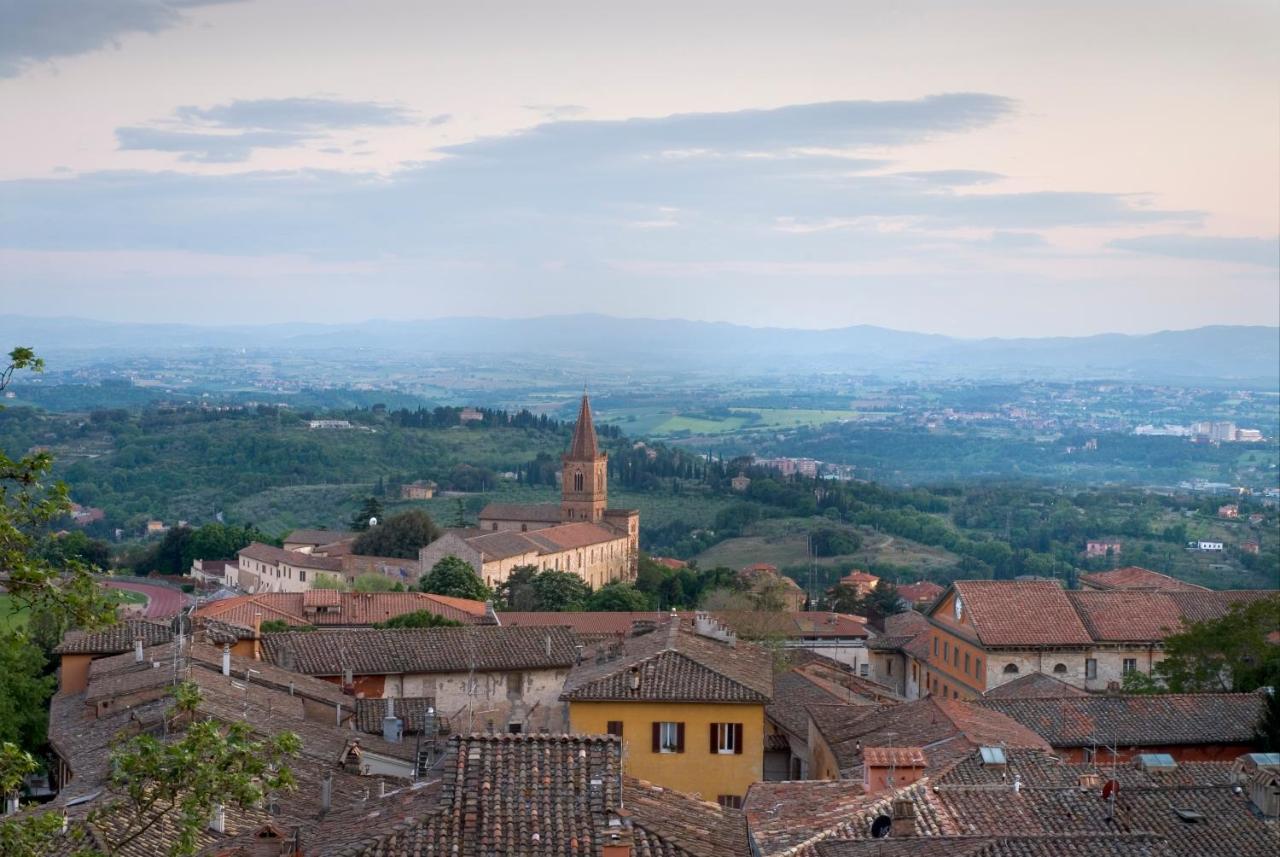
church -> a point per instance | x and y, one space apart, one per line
581 534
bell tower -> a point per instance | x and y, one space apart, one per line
584 489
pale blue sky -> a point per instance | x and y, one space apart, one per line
988 168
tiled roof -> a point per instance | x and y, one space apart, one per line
859 577
354 608
793 693
317 537
922 723
1127 615
793 624
1021 613
502 544
376 651
412 710
1133 577
925 590
1038 769
1203 606
569 536
1148 719
1048 845
531 512
113 639
553 795
274 556
674 664
587 622
1036 685
897 757
321 598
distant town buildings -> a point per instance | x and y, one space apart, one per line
1229 510
740 483
1205 431
419 490
470 415
329 424
1101 548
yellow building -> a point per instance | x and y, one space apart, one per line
687 704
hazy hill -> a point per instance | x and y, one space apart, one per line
1244 354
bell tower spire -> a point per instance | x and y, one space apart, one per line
584 487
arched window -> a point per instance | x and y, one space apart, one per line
577 481
1010 669
1060 669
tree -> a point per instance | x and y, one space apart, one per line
24 692
559 591
418 619
29 835
827 541
400 536
618 598
29 503
1230 653
454 577
1268 730
184 781
327 581
371 581
517 592
370 509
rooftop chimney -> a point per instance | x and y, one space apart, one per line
904 818
226 659
490 615
138 656
634 679
218 824
392 726
548 645
326 793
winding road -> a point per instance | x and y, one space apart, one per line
162 602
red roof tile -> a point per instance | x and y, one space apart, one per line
1021 613
1133 577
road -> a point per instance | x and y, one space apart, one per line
162 602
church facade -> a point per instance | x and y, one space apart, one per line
581 534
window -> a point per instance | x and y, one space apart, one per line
614 727
514 728
668 737
888 666
1130 665
915 673
1090 668
966 663
862 670
302 575
946 651
955 656
1010 669
577 481
935 646
726 738
495 526
729 801
1060 669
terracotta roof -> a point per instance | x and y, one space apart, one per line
274 556
894 757
587 622
922 723
412 710
1133 577
321 598
925 590
318 537
674 664
1021 613
1046 845
1036 685
553 794
584 446
568 536
859 577
354 608
1126 615
113 639
376 651
1148 719
532 512
793 693
760 566
502 544
1203 606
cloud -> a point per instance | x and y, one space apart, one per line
206 148
1246 251
756 187
440 119
34 31
297 114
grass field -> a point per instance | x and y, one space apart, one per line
784 542
665 422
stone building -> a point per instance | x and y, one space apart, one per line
581 534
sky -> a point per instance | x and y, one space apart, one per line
973 169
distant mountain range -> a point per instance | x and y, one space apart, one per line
1248 355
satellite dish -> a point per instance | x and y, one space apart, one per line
1110 789
880 827
373 522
